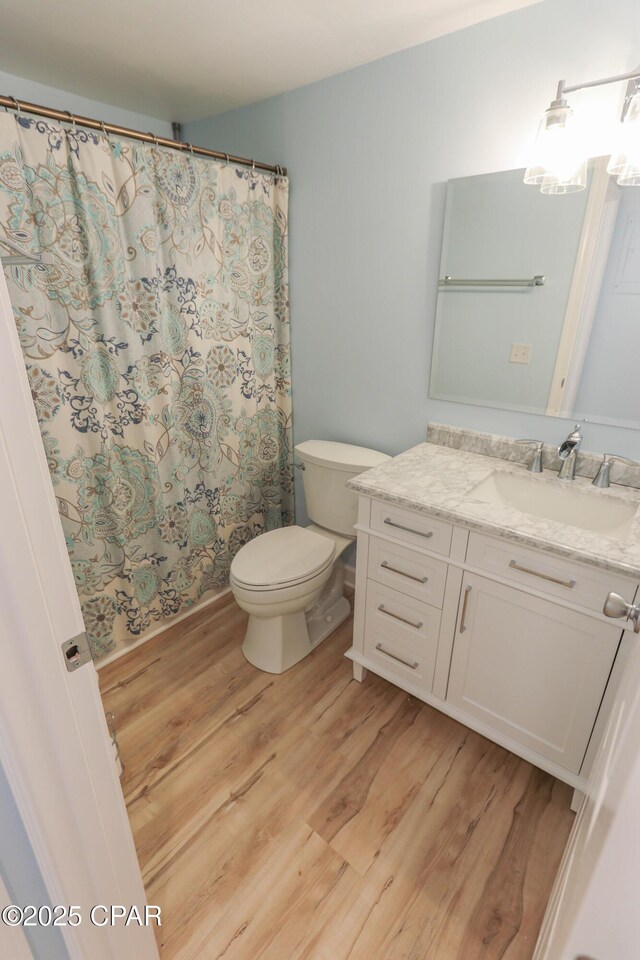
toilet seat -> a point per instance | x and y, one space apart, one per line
282 558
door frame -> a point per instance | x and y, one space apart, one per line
54 743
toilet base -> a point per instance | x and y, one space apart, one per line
274 644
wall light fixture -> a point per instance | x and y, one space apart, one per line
559 163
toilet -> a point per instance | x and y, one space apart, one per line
291 581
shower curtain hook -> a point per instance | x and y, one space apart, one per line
17 103
253 168
104 130
226 157
72 118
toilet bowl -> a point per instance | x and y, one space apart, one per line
291 581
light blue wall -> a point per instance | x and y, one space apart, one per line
11 86
22 878
369 153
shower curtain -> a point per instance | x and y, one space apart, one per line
157 348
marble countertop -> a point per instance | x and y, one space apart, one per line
438 480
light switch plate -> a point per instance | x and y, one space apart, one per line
520 353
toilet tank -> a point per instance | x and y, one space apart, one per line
327 466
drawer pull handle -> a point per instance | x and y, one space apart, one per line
418 533
412 666
403 573
463 618
396 616
570 584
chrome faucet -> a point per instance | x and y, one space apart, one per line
568 452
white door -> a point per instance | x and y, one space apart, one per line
593 910
530 669
54 743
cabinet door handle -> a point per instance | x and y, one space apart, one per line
403 573
399 526
463 618
396 616
412 666
570 584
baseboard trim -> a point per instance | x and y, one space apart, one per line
166 624
349 579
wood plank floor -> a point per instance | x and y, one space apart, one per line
310 817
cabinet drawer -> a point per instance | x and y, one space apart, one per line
401 634
408 571
411 527
585 586
530 669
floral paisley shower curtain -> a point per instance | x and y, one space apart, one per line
157 348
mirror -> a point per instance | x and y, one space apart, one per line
539 298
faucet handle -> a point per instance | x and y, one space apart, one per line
603 476
616 456
536 462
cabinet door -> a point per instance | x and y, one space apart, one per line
530 669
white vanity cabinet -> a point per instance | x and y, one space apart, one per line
508 639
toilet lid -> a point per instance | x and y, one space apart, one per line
284 556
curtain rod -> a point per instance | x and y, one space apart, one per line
63 116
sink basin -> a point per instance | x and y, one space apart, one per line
607 515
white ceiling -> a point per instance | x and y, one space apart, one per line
185 59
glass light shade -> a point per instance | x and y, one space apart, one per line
629 176
625 160
575 182
559 160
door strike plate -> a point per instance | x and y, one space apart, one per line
76 652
